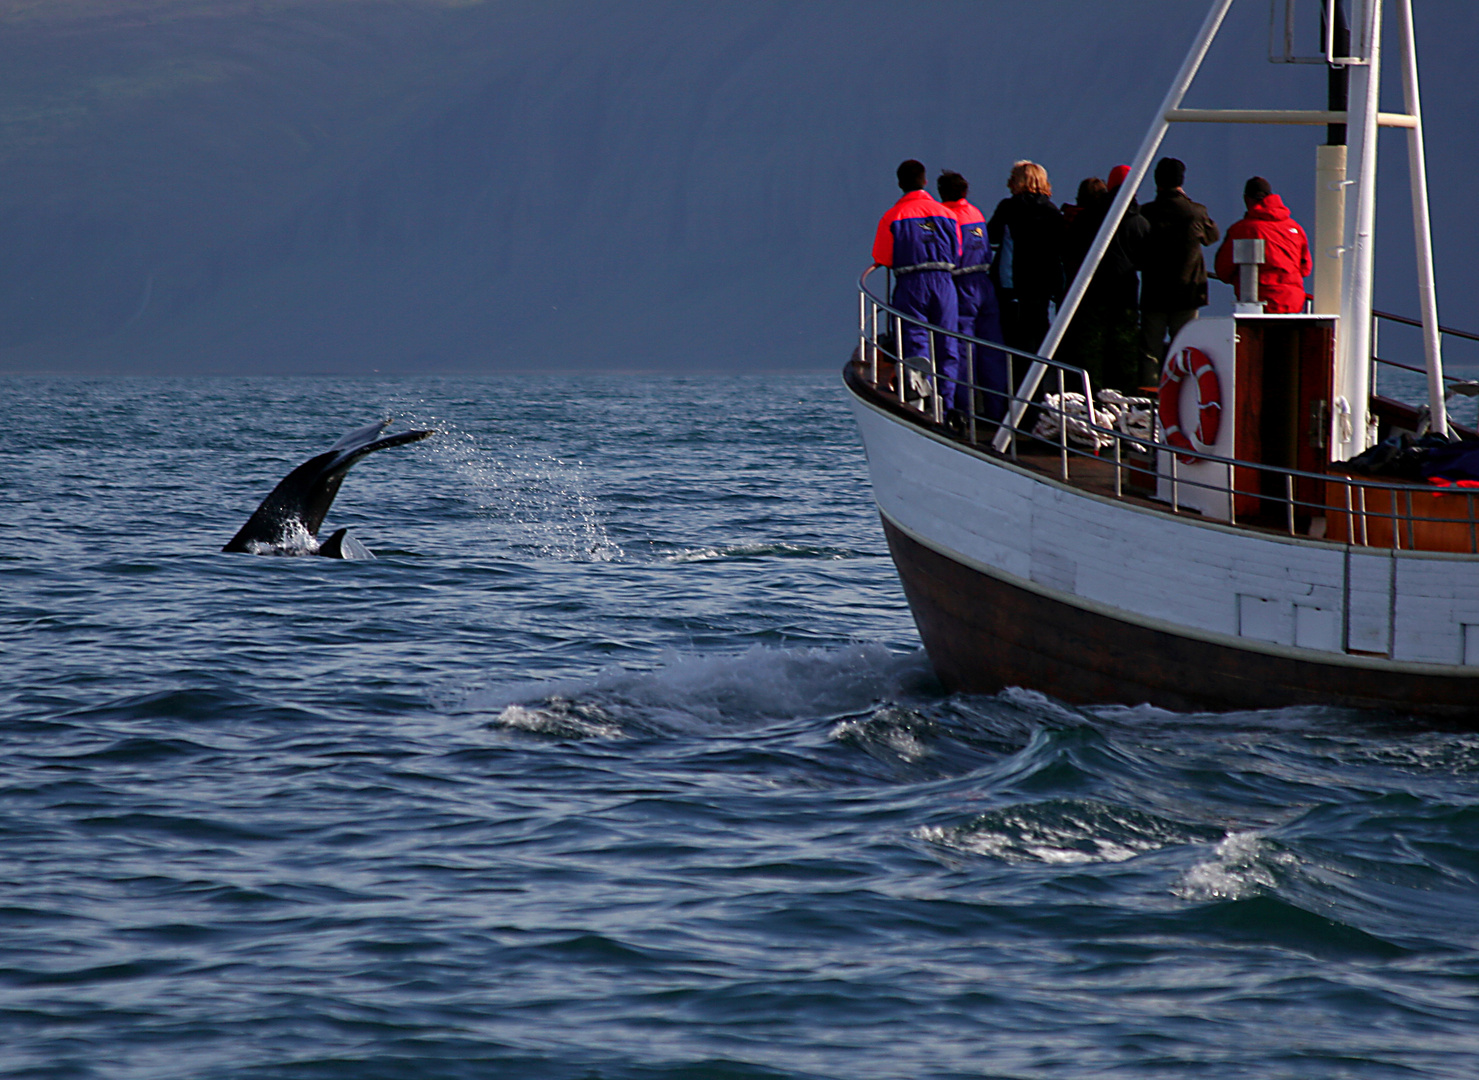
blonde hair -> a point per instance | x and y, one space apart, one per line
1031 177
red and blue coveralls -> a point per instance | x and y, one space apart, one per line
978 314
920 240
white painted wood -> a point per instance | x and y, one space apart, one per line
1264 619
1317 627
1471 644
1203 485
1179 570
1369 615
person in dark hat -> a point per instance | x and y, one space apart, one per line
1286 250
919 239
1173 274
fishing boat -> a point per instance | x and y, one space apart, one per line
1063 551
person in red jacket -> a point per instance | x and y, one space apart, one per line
920 240
1286 250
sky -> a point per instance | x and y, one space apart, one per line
418 186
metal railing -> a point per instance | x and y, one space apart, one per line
1454 384
1356 510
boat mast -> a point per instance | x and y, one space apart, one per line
1354 338
1356 344
1138 170
1421 223
1330 171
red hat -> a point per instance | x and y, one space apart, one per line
1117 176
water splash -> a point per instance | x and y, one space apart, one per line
1060 833
531 502
1244 864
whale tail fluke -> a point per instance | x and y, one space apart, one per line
288 520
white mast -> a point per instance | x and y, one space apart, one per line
1421 225
1354 339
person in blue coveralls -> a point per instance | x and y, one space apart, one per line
919 239
975 297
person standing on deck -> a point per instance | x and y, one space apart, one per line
1026 233
977 310
920 240
1286 260
1104 337
1173 286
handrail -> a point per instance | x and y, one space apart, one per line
1356 512
1405 321
1024 354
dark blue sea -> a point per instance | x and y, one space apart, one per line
622 762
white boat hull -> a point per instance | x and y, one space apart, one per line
1017 579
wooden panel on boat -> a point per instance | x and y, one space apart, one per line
1284 373
1422 519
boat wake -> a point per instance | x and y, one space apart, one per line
1062 832
758 686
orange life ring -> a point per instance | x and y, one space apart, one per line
1193 362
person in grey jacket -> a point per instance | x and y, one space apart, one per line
1173 273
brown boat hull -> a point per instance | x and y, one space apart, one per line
984 633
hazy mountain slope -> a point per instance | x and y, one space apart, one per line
336 185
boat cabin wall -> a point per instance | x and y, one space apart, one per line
1275 376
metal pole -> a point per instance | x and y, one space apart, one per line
901 374
970 374
1421 223
1062 425
937 399
1355 346
870 359
1138 170
874 312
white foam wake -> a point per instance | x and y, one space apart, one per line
761 684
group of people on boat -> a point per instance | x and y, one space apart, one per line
998 279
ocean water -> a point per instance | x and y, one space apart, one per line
622 761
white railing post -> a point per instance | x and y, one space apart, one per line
937 399
970 372
901 373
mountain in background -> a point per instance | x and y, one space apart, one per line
343 186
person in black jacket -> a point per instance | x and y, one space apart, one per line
1173 271
1104 338
1026 233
